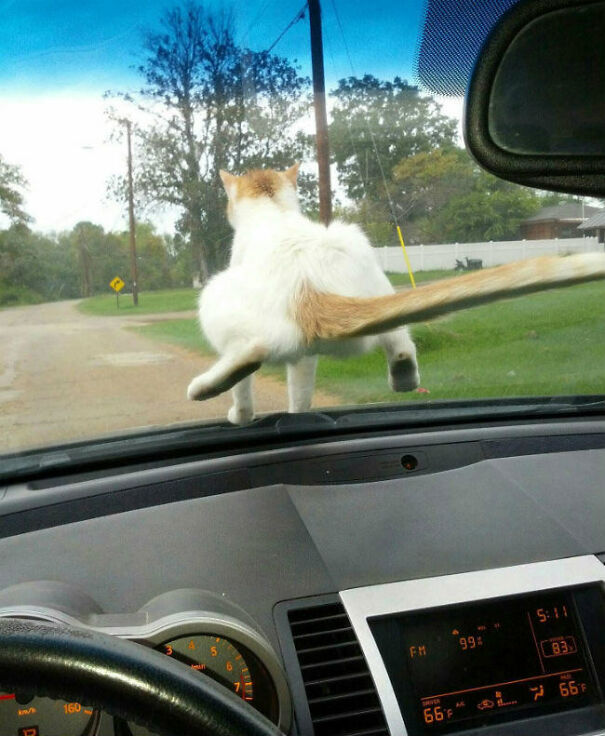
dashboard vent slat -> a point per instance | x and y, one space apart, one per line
341 694
345 643
357 713
330 698
340 631
339 679
334 662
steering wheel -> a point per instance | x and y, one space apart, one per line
122 678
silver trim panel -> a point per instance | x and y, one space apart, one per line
412 595
151 631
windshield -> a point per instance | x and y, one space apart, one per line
126 133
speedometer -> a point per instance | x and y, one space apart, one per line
200 629
24 715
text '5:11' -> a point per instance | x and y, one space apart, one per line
551 614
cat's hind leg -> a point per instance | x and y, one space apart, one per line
401 357
242 410
228 370
301 383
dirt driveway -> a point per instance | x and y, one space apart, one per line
67 376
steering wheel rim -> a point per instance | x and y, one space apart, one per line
123 679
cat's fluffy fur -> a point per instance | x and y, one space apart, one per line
295 289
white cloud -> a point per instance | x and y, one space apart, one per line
61 142
453 107
62 145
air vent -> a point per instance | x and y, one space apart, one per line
340 691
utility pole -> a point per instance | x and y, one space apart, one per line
131 222
321 118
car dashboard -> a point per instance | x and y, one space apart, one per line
436 582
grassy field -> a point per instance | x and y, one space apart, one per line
150 302
182 300
420 277
551 343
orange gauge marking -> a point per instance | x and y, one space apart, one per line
214 657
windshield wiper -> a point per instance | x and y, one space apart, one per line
479 410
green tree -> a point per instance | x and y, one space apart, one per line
486 213
211 106
179 257
423 184
550 199
445 196
35 267
153 257
99 256
12 183
373 217
62 270
378 123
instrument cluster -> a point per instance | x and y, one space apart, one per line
200 629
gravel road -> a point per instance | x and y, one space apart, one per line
67 376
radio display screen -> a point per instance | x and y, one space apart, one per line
470 665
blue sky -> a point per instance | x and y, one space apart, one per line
92 44
58 57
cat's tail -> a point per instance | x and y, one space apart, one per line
330 316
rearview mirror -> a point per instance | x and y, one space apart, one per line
535 109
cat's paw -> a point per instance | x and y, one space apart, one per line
403 375
197 389
240 415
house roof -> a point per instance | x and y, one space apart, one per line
565 211
597 220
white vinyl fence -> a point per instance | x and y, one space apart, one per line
429 257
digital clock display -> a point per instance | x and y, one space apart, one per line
471 665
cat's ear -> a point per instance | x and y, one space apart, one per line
228 180
292 173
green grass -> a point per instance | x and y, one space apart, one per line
150 302
186 333
403 279
182 300
546 344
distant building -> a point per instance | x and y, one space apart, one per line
558 221
595 225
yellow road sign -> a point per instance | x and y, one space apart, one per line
117 284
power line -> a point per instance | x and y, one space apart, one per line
384 179
250 91
349 128
372 136
262 9
300 15
344 40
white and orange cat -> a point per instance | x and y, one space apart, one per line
296 289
